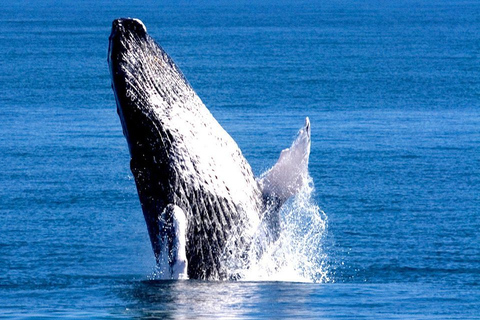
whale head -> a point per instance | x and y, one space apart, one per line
137 64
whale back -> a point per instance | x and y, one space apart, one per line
180 154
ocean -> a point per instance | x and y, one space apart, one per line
392 91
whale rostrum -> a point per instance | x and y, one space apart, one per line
202 204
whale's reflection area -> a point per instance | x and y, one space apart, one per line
193 299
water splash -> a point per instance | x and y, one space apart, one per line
297 255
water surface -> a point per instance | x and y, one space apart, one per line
393 95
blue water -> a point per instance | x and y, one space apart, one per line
393 95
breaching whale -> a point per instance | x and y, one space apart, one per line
201 202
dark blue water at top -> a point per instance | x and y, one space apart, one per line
393 94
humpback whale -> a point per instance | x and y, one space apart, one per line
202 205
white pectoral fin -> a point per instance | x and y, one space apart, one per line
289 174
173 229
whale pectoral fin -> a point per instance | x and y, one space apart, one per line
173 239
289 174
